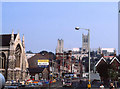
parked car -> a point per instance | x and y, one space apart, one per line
46 82
11 87
16 84
40 83
67 83
31 85
54 80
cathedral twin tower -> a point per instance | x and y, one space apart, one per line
60 44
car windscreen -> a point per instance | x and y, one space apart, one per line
67 82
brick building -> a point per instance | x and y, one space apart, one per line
64 62
35 70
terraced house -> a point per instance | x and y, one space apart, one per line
108 68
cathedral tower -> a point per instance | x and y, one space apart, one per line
84 43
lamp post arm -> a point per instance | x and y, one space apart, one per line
85 29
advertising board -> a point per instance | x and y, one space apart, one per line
43 63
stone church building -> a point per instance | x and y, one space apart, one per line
13 62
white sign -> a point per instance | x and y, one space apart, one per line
43 63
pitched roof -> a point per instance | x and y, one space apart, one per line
114 59
102 58
5 39
108 60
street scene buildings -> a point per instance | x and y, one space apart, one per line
16 64
62 58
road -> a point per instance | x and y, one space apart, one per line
76 84
58 85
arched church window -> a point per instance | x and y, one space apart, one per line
84 40
2 61
17 55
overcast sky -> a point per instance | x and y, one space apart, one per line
44 22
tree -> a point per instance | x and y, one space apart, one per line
113 73
29 51
43 52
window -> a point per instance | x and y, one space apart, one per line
84 50
17 56
2 61
119 67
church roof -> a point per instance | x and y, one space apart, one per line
5 39
36 70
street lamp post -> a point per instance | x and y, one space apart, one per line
77 28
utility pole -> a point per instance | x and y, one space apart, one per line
77 28
49 73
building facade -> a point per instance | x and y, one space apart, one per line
41 65
13 62
64 62
108 51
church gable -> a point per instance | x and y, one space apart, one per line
17 38
17 42
15 56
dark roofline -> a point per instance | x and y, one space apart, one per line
7 34
5 38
